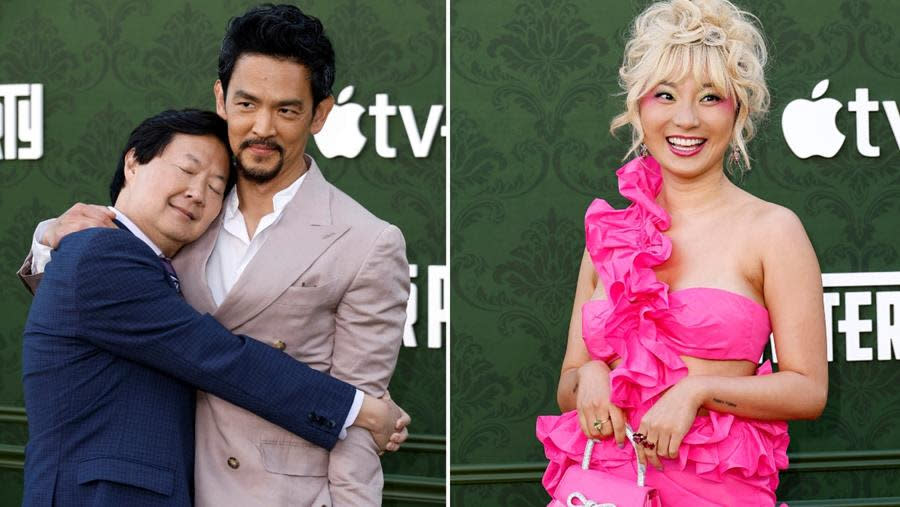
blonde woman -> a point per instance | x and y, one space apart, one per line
677 293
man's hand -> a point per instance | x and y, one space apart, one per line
77 218
385 420
400 434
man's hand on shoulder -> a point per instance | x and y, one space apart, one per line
77 218
385 420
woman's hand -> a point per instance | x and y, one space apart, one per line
668 421
598 417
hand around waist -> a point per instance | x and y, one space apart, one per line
385 420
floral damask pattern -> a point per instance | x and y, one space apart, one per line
368 38
538 269
109 16
47 55
178 66
547 40
92 158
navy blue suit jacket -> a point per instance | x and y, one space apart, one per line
112 356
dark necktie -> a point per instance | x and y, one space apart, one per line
170 272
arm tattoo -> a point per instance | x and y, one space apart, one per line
726 403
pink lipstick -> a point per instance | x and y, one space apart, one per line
685 146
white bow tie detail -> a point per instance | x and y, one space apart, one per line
584 501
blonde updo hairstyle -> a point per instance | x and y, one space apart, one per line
711 39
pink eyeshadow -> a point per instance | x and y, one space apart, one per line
727 104
648 97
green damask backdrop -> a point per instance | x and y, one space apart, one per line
533 87
106 65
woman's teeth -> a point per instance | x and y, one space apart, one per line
685 143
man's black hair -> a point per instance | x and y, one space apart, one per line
154 134
280 31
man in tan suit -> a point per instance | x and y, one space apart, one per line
293 261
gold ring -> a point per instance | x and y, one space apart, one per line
599 424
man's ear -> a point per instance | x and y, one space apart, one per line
219 92
322 111
131 164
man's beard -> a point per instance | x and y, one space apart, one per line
256 174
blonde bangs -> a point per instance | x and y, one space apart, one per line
705 65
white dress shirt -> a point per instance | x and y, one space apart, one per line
233 251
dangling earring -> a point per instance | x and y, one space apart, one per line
642 150
735 156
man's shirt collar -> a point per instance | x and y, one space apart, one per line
136 231
279 200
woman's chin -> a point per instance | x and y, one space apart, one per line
688 167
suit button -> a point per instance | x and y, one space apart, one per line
279 345
234 463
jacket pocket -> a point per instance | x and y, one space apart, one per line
132 473
321 294
296 457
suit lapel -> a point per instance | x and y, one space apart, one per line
190 264
304 231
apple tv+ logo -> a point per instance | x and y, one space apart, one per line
810 130
341 137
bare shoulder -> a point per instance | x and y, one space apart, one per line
775 222
772 236
782 245
766 221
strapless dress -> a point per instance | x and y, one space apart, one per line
724 459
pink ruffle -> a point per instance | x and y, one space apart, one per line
625 245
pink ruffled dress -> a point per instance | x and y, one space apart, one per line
723 459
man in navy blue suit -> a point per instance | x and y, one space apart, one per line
113 355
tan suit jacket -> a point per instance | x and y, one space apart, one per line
329 287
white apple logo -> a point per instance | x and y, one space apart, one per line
340 136
809 127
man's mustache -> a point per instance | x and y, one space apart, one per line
267 143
